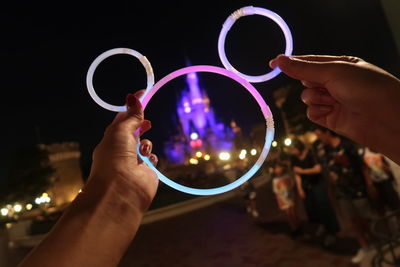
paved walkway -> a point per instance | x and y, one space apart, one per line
225 235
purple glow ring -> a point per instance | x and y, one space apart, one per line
247 11
269 134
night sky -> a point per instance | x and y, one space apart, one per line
46 51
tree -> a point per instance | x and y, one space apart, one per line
30 174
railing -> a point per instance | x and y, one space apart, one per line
386 231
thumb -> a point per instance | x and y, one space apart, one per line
305 70
134 115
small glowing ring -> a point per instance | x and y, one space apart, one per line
269 135
89 77
246 11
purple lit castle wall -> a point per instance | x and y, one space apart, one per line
200 131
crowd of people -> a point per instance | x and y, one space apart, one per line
340 183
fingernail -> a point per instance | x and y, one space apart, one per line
147 122
274 62
132 101
153 159
145 149
304 99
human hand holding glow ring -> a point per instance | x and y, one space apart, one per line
247 11
269 135
89 77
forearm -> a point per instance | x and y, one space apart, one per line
299 185
95 230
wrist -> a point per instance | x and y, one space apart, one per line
134 185
117 198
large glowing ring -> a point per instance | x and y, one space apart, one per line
269 135
246 11
89 77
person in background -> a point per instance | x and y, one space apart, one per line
283 188
249 194
311 187
348 186
379 174
395 169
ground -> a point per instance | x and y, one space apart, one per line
224 234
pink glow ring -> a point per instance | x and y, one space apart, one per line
269 134
247 11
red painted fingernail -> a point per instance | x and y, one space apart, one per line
153 159
146 149
132 101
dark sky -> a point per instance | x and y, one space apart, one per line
46 51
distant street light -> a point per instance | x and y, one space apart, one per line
224 156
194 136
193 161
43 199
274 144
17 207
4 211
253 152
288 141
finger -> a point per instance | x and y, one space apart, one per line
145 147
317 58
134 115
312 71
153 159
139 93
316 96
325 58
119 117
318 113
311 84
122 115
146 125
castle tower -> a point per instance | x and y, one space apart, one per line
64 158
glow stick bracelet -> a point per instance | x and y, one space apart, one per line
89 77
247 11
269 134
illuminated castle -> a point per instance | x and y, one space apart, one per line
199 129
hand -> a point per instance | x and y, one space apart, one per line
115 156
302 194
106 215
349 96
298 170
